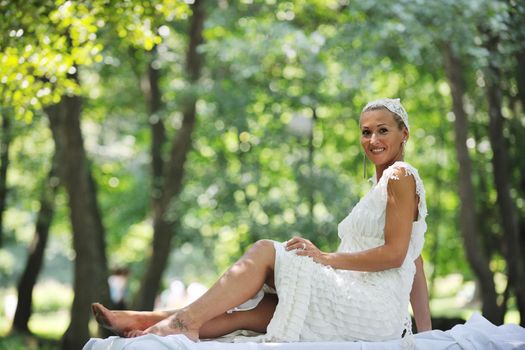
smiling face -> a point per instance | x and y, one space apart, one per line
382 137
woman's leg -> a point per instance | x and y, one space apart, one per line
255 320
238 284
133 323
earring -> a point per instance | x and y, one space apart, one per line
364 166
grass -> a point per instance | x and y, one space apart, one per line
453 297
50 324
25 342
50 319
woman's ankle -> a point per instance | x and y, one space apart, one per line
185 319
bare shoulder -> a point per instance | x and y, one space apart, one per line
401 181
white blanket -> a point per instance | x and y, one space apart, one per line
476 333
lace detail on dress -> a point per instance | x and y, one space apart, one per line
407 326
407 342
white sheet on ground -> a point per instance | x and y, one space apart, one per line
476 333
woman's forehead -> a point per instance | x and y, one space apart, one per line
377 117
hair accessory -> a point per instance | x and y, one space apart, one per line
393 105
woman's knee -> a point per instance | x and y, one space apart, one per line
264 247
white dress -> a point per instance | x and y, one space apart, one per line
319 303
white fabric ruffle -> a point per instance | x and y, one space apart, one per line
476 334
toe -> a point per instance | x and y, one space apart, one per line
97 309
134 333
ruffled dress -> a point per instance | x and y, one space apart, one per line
319 303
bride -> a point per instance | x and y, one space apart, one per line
359 292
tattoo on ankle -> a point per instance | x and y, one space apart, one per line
178 324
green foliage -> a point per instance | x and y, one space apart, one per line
20 342
44 44
269 65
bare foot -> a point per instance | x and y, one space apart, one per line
123 323
178 323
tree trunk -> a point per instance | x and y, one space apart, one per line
520 76
500 164
36 252
476 255
5 141
91 274
516 12
153 94
311 151
437 213
173 171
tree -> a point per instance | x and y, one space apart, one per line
36 252
468 222
66 32
500 163
173 170
5 141
88 231
62 32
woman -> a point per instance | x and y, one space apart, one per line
360 292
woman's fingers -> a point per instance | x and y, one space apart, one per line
294 246
301 245
304 247
312 253
292 242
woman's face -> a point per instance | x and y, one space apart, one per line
381 138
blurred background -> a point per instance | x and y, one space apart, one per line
146 144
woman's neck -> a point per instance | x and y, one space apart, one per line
381 168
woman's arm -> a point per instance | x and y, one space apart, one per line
401 209
419 298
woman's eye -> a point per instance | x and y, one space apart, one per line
365 132
383 130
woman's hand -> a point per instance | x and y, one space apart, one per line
304 247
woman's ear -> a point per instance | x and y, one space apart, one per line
406 135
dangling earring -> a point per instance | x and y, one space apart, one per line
364 166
